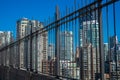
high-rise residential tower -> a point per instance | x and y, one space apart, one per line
6 38
21 26
33 49
90 55
51 51
66 42
66 52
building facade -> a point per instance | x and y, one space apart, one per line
90 56
6 38
22 24
51 51
66 52
88 62
32 49
66 42
114 57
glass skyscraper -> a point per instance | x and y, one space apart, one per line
66 45
89 49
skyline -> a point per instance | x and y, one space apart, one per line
32 9
42 10
61 38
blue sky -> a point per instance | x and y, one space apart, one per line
12 10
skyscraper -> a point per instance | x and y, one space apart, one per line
33 49
113 41
6 38
89 33
51 51
88 62
66 52
90 55
22 24
106 51
106 57
77 56
114 57
66 42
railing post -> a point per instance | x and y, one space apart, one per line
31 47
100 41
57 53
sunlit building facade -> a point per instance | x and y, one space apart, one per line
6 38
36 46
89 52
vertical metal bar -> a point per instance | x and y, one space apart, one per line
109 50
5 57
9 56
79 43
31 47
81 48
54 47
87 42
66 47
26 52
18 55
36 52
97 47
91 49
59 50
57 42
75 32
115 52
50 41
100 41
63 45
72 24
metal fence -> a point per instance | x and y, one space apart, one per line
71 46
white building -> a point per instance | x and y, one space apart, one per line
51 51
88 62
5 39
66 49
22 24
66 52
35 44
89 42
